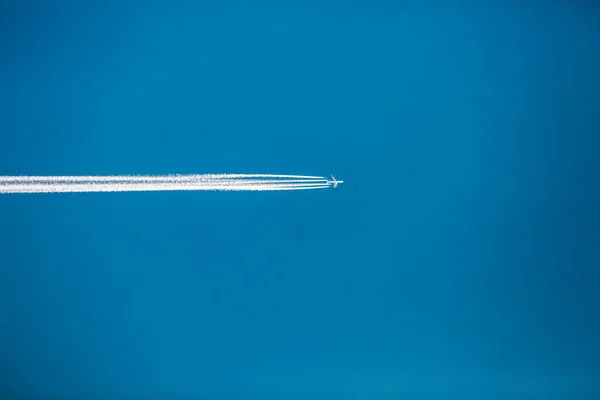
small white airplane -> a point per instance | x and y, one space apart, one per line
334 181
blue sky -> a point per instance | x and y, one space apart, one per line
459 257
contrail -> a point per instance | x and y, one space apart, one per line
144 183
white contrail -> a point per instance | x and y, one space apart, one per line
129 183
154 177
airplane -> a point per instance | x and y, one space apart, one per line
334 181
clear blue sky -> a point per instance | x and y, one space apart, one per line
459 258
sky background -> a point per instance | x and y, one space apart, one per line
461 257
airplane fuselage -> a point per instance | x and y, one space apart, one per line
334 182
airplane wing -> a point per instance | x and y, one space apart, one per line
335 183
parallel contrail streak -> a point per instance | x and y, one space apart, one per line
222 182
153 177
